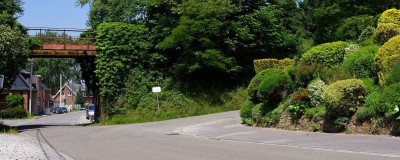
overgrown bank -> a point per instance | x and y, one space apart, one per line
350 87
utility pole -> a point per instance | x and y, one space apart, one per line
60 88
30 89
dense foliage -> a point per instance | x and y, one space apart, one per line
262 64
121 47
14 101
344 97
13 113
13 53
360 63
386 57
328 54
199 51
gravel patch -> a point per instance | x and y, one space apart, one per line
18 147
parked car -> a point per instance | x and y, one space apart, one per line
57 110
90 112
64 109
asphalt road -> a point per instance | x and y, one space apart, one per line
209 137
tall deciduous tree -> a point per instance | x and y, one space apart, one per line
114 10
51 68
13 53
198 38
13 46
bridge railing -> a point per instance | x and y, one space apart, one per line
62 39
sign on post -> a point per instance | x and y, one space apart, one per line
157 90
1 81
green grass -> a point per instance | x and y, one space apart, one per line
7 129
229 101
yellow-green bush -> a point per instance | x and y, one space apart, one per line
344 97
388 26
385 31
387 55
328 54
390 16
263 64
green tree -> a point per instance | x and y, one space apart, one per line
324 17
51 68
79 98
13 53
10 10
114 10
197 39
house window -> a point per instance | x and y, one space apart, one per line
69 93
62 93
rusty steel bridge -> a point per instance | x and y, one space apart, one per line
62 42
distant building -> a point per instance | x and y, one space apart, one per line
40 92
68 95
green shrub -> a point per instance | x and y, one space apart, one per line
14 100
385 31
169 101
297 110
334 74
370 85
271 118
328 54
306 73
386 58
315 91
258 112
389 98
370 108
394 74
360 63
344 97
263 64
315 113
252 89
12 113
301 95
390 16
366 35
352 27
246 110
365 113
274 86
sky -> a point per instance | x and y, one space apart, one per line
54 14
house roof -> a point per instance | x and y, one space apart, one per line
20 83
73 87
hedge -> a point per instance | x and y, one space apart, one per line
328 54
263 64
13 113
386 58
344 97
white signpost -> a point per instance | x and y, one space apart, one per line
1 81
157 90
